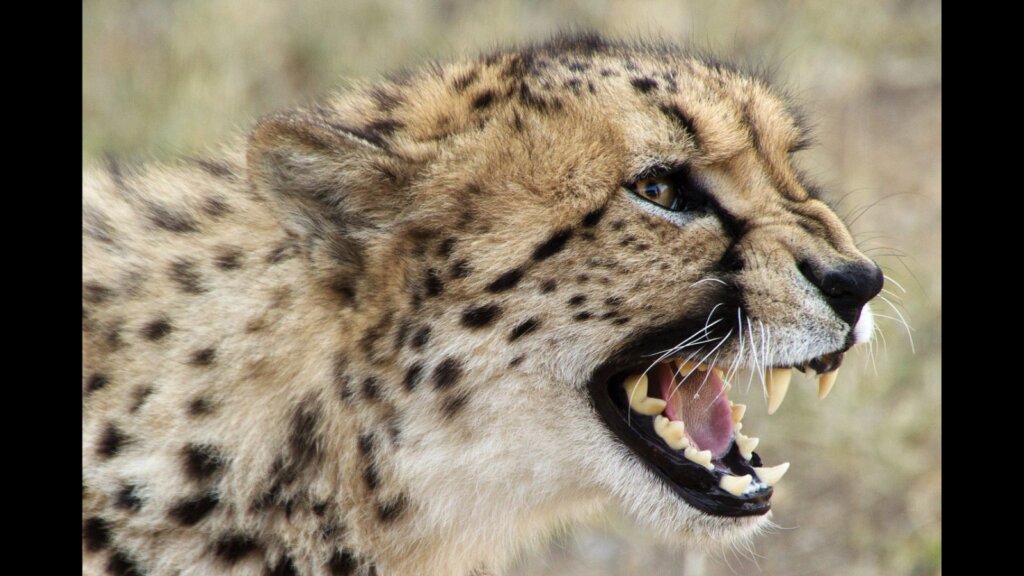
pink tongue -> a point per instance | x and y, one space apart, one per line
700 403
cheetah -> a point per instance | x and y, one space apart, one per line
413 326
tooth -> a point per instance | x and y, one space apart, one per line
771 476
825 383
671 431
777 380
738 410
702 457
735 485
636 391
746 444
718 372
689 366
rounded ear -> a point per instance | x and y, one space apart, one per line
331 186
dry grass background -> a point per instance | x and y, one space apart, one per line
163 78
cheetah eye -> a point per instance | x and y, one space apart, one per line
666 192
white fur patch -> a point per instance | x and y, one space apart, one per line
865 326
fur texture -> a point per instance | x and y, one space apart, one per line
358 340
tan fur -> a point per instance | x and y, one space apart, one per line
311 256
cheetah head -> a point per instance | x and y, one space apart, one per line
563 255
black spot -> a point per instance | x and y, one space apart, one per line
644 85
189 511
642 246
304 439
618 225
171 220
593 217
157 329
447 373
120 564
139 397
516 361
434 286
215 206
459 269
371 477
506 281
683 119
446 247
614 300
620 321
552 245
584 315
517 122
228 258
365 445
627 240
342 563
483 100
127 498
582 278
384 128
480 316
523 329
213 167
371 388
454 404
233 547
95 382
548 286
96 293
96 533
413 376
203 357
110 441
577 300
201 461
402 333
284 567
344 289
390 511
462 82
183 273
199 407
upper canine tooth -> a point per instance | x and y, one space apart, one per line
702 457
672 432
772 475
636 391
735 485
825 383
746 444
777 380
690 366
738 410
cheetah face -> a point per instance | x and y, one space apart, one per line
603 235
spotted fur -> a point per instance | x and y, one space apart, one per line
357 339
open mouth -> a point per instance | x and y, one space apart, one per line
676 416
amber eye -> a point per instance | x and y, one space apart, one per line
661 191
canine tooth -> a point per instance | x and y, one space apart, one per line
671 431
738 410
702 457
735 485
771 476
778 383
825 383
746 444
689 366
636 391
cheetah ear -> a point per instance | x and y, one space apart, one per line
325 179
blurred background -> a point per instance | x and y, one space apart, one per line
164 78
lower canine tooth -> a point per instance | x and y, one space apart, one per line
671 431
738 410
771 476
825 383
636 392
777 381
735 485
702 457
746 445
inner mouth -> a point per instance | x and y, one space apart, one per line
677 417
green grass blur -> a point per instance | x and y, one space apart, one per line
163 78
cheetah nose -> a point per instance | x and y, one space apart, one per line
847 288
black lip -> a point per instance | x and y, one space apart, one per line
692 482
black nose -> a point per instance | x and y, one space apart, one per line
847 288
